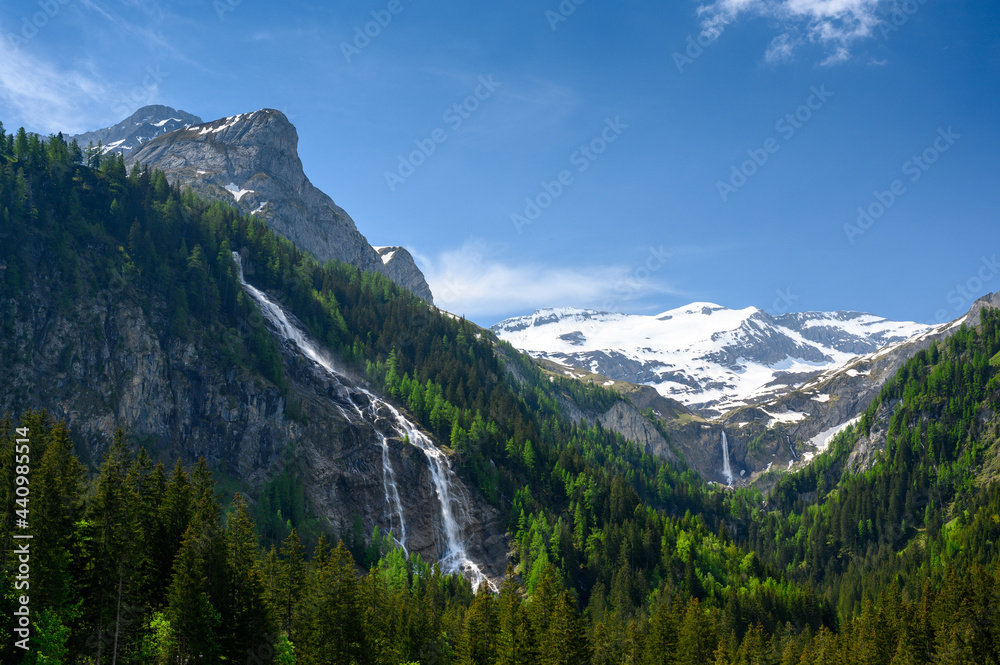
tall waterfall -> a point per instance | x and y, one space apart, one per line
454 502
726 470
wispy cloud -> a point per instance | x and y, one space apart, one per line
45 97
153 40
469 281
836 25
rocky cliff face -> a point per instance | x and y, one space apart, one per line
626 420
250 161
812 414
402 269
142 126
104 361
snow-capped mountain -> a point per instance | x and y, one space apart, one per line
706 356
144 125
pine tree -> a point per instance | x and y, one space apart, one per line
515 640
119 555
291 582
194 622
566 641
248 625
333 632
478 643
57 505
174 517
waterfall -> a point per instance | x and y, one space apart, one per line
726 470
454 503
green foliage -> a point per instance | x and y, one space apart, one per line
617 556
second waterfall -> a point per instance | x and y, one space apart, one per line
726 470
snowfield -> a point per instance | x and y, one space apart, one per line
705 355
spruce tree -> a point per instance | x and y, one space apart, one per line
194 622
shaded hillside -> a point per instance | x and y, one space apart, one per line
123 305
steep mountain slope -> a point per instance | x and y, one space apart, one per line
124 301
402 269
105 332
816 411
251 162
144 125
880 499
709 357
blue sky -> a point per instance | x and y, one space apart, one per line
630 156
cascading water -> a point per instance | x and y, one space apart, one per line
726 470
449 493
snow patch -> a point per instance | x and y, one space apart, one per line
822 440
163 122
237 192
111 146
788 417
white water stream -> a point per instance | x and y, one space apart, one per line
454 503
726 470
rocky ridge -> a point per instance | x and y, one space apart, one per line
708 357
142 126
250 161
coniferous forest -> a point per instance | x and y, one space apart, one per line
616 556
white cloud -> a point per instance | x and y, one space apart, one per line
782 49
43 96
834 24
469 281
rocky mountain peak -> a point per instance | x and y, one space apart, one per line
402 269
251 162
144 125
266 126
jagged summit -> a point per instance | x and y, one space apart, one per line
144 125
230 128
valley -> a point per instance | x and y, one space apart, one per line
360 474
